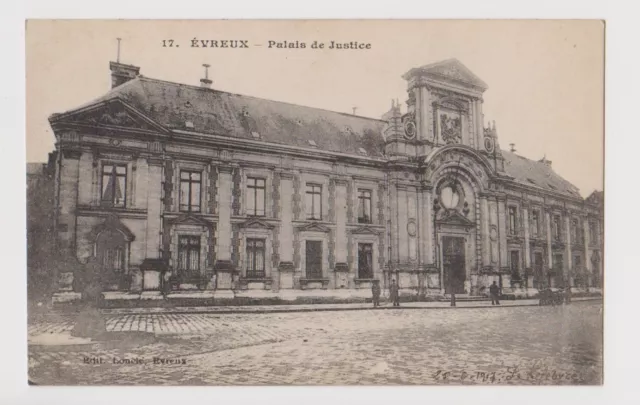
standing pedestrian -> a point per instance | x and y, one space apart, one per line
394 293
494 291
375 292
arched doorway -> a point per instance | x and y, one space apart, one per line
111 250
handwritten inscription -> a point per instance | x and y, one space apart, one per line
507 375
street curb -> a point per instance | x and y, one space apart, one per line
295 310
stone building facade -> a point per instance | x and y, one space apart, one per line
199 189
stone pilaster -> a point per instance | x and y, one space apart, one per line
588 267
341 221
224 266
154 207
68 196
485 232
286 229
568 242
502 228
547 220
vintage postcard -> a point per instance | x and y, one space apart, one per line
414 202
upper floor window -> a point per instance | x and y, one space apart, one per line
313 201
114 185
189 254
255 197
364 206
535 223
557 227
190 182
513 220
593 232
575 231
255 258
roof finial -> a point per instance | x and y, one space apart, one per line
118 54
513 147
354 110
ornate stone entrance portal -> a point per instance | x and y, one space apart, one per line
453 264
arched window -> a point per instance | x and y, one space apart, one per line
111 250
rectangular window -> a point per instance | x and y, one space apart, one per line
255 258
313 259
513 220
574 231
593 232
114 185
515 261
577 261
364 206
190 182
313 201
255 197
558 262
535 223
189 254
557 227
365 260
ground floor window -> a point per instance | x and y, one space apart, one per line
313 260
255 258
515 265
365 260
189 254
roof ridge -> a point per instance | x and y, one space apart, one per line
254 97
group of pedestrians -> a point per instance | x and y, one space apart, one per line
394 293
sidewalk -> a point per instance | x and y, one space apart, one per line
260 309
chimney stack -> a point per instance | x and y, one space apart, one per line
120 72
206 83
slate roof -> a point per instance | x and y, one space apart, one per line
210 111
537 174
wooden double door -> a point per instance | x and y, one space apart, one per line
453 264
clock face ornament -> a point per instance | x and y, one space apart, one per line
410 129
488 145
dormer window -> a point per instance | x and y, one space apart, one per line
313 143
188 124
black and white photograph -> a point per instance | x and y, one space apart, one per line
315 202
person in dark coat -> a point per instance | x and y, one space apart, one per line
375 292
394 293
494 291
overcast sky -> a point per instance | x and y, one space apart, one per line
545 78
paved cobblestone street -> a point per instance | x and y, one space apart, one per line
518 345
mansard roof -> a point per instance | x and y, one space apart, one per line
537 174
208 111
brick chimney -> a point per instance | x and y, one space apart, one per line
121 73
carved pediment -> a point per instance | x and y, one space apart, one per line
455 218
113 223
110 114
313 227
453 70
255 223
190 220
365 230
